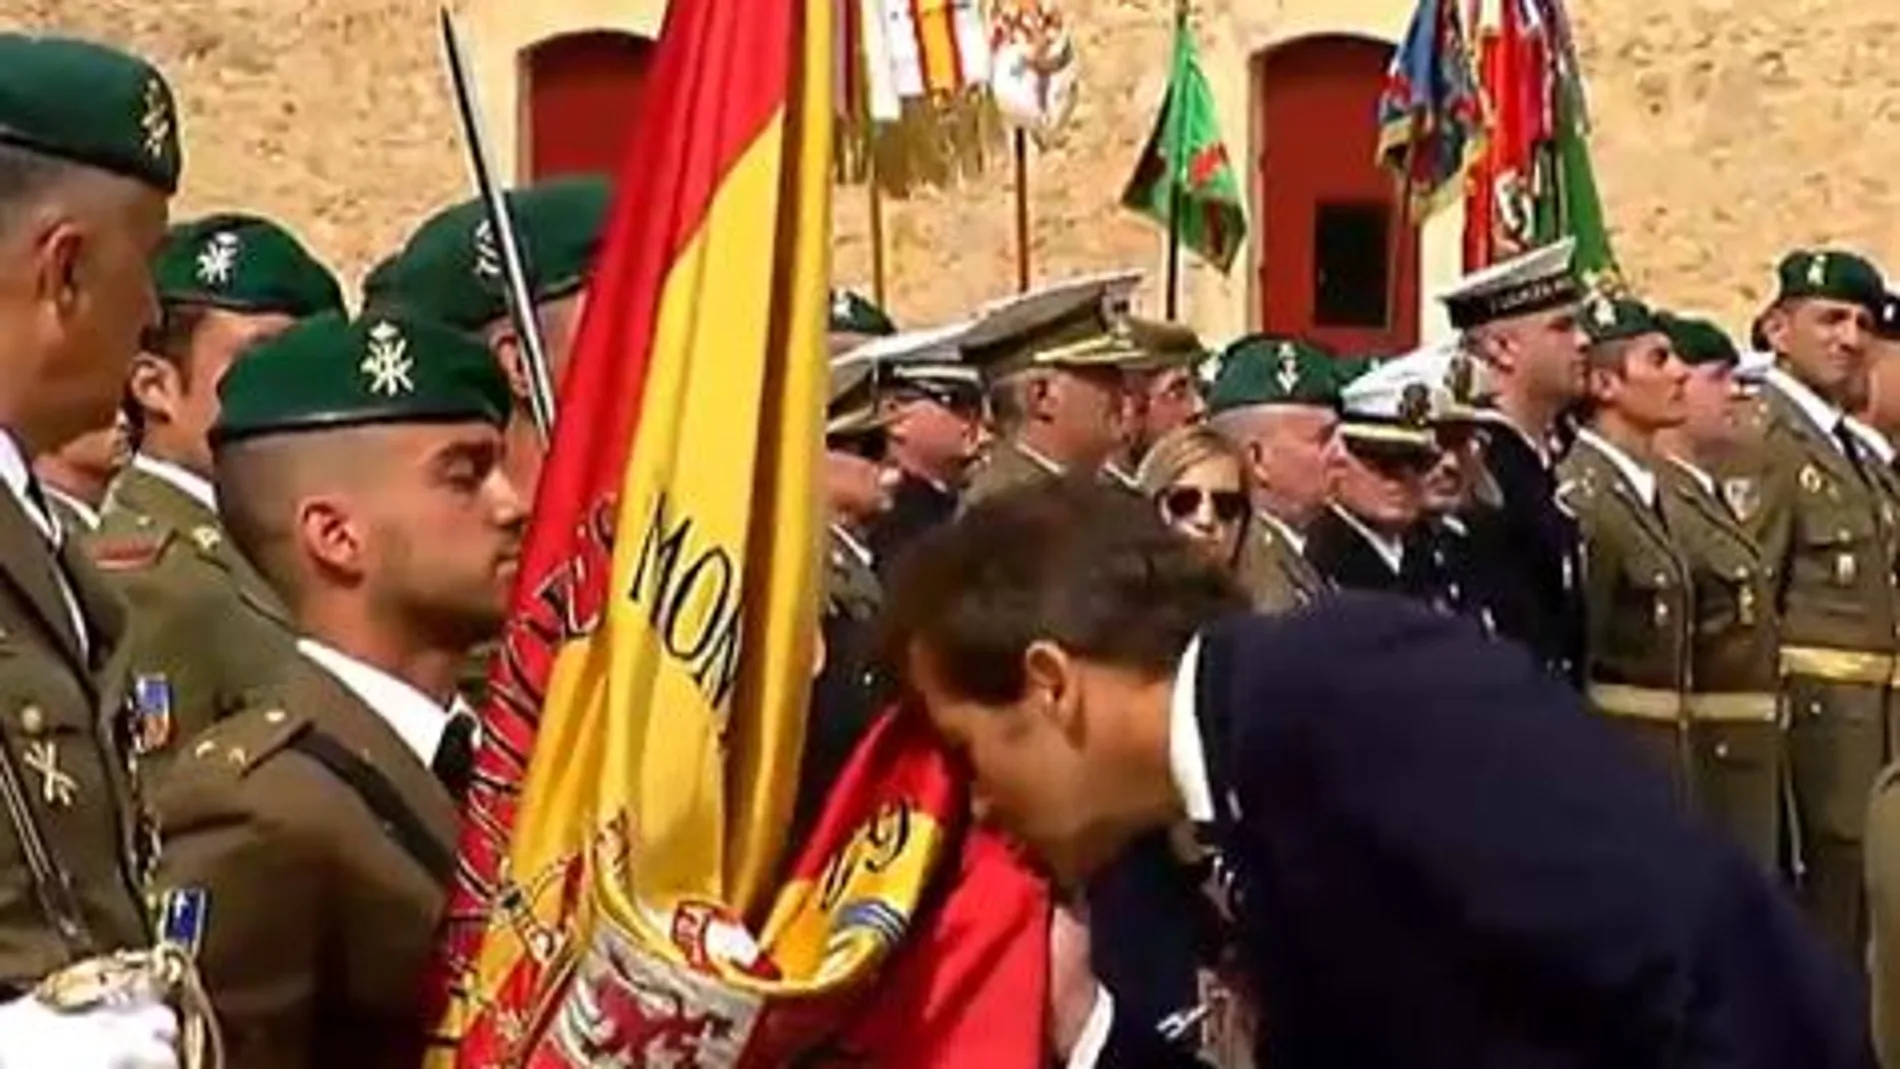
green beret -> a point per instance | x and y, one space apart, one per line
89 104
329 372
1832 274
853 314
245 264
1262 369
1607 318
1699 341
450 269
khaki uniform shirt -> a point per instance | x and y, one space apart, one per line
192 651
75 845
1273 570
1010 464
323 845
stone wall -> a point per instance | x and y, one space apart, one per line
1727 131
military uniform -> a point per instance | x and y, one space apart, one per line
192 649
73 514
324 845
1079 327
1263 371
1883 909
75 846
1826 524
1274 569
1638 601
848 694
312 818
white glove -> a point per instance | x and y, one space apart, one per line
133 1034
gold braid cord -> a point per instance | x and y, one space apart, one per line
166 971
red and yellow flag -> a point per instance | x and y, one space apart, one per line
618 886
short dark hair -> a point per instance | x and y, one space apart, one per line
26 176
170 338
1088 566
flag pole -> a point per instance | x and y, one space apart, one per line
877 214
1021 141
1172 299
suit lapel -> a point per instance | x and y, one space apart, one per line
345 718
31 569
1821 445
104 612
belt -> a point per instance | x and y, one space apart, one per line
1735 708
1638 703
1864 667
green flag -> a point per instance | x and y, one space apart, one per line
1568 203
1186 162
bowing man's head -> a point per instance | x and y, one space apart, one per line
1041 632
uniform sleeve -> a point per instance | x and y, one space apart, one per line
1769 515
1502 814
1883 906
263 880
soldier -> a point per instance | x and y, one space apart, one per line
1518 320
1740 746
89 158
1876 415
205 627
1163 392
859 480
1827 527
1054 363
1638 588
1375 534
933 408
1277 399
450 270
358 464
77 475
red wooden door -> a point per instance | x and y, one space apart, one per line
582 92
1329 218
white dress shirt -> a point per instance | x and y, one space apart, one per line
182 479
1818 410
18 476
1389 549
1876 443
1702 478
86 513
417 719
1641 479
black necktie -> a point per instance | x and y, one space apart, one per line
455 755
1850 445
37 495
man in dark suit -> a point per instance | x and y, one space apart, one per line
1429 853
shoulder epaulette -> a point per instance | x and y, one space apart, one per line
244 741
128 552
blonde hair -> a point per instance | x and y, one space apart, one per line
1181 449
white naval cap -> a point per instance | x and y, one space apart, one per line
1537 280
928 356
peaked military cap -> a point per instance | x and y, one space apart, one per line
1832 274
1538 280
852 313
243 263
1264 369
1078 323
1699 341
90 104
1164 345
1394 411
852 410
330 372
927 361
450 269
1608 318
1448 373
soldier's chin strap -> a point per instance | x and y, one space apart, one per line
166 973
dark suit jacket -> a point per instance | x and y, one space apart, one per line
1449 862
1347 557
1533 555
916 506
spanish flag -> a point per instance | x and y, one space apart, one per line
618 889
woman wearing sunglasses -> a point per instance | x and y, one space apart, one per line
1197 481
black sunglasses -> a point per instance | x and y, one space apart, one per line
1180 502
872 445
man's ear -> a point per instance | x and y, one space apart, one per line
330 536
155 385
60 251
1050 685
1776 325
506 345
